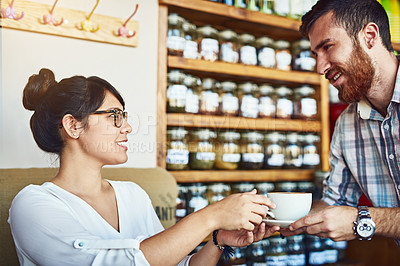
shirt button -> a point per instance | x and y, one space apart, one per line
391 156
386 126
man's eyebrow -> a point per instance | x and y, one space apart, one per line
322 43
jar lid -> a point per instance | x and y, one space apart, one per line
177 132
183 189
207 30
227 34
203 134
292 137
265 186
285 186
190 80
273 137
264 41
197 188
209 83
229 135
277 240
305 185
252 136
228 86
282 44
217 187
187 26
304 90
176 76
302 44
283 91
243 187
246 38
174 19
247 87
266 89
310 138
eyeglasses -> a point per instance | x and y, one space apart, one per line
118 115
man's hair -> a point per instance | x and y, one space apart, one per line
352 15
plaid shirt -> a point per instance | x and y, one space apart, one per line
365 155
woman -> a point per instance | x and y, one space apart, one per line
78 218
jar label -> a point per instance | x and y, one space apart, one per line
192 102
177 92
249 107
205 156
283 60
217 198
180 212
190 51
209 49
276 160
253 157
311 159
308 106
231 158
176 156
331 255
284 107
266 57
176 43
306 63
267 106
296 259
278 260
228 53
248 55
198 203
316 258
209 101
229 103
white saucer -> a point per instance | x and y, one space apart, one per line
281 223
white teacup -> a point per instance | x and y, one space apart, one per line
290 205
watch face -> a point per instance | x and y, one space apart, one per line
365 228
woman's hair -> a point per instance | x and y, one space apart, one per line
352 15
52 100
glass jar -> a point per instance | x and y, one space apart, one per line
296 9
176 92
228 2
207 39
190 50
209 98
181 208
175 37
248 100
201 149
305 186
282 55
252 5
311 158
229 104
282 8
315 249
198 199
296 250
276 252
286 186
305 103
251 149
217 192
331 253
273 150
242 187
229 46
266 52
264 188
293 153
267 6
192 100
177 149
266 106
227 150
247 49
303 59
257 254
240 3
284 102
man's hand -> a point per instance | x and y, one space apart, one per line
334 222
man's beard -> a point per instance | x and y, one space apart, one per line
359 71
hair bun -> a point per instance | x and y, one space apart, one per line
36 88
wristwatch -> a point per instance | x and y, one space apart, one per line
364 227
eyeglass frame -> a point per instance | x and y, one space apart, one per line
116 112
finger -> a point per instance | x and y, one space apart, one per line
260 210
255 218
260 232
254 191
308 220
263 200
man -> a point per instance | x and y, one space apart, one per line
351 40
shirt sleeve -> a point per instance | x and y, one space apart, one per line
46 233
340 187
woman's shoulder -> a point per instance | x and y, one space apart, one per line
127 186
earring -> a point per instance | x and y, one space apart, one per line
74 134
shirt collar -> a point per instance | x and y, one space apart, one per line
364 108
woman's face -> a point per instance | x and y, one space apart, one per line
102 140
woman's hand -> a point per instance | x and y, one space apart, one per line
239 211
242 238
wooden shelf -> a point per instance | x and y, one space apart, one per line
396 46
239 19
242 175
244 72
242 123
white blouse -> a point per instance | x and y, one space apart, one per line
52 226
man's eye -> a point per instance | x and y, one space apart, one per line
326 47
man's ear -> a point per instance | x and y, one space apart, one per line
70 126
370 35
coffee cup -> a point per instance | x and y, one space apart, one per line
290 206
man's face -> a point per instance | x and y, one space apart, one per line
344 64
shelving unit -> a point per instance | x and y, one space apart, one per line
259 24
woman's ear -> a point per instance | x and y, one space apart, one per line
370 34
70 126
